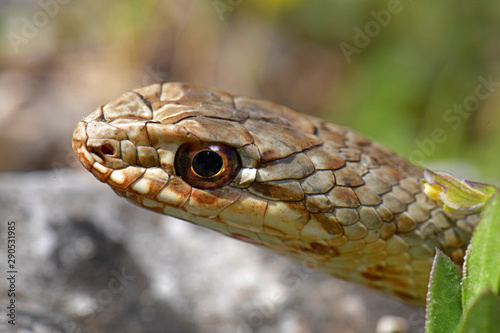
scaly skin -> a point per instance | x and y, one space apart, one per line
313 191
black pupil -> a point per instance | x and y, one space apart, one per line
207 164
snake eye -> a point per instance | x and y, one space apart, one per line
206 165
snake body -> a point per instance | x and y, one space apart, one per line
262 173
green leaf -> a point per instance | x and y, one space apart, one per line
455 195
483 315
444 298
482 262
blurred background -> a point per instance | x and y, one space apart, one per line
420 77
394 70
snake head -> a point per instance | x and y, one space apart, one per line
202 155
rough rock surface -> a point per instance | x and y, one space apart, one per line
89 261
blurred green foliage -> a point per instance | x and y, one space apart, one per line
424 59
408 68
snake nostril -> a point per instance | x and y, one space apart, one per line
107 149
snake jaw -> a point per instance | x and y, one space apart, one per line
316 192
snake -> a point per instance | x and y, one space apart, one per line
318 193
